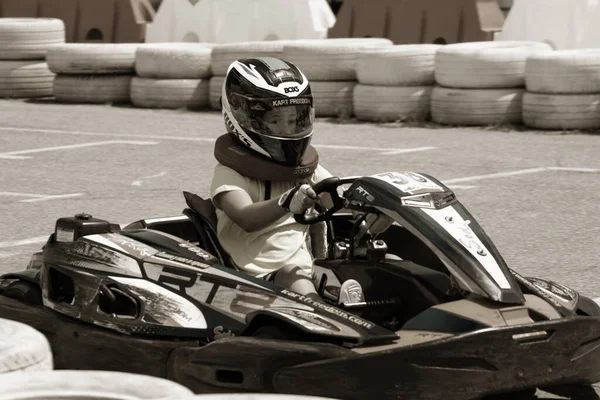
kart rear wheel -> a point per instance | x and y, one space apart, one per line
24 291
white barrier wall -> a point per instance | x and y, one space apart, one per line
563 24
227 21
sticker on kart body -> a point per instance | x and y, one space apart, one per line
65 235
220 333
304 317
182 260
451 221
537 290
409 182
123 244
333 310
362 192
196 250
164 306
99 258
561 291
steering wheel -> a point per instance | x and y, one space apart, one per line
328 185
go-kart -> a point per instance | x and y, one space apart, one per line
443 316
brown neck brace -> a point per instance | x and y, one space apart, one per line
232 154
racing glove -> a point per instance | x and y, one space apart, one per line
298 199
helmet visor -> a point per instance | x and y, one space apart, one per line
287 152
283 118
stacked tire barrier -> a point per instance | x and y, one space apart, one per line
464 84
481 83
395 83
27 372
563 90
224 54
172 76
330 66
254 396
87 384
23 46
22 349
92 72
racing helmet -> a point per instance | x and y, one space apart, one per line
267 105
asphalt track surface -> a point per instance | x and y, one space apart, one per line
537 194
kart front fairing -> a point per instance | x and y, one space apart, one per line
430 211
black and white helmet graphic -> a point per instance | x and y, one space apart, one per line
267 104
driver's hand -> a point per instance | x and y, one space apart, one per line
299 199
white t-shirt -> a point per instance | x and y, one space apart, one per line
266 250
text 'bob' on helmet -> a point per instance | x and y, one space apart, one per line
267 104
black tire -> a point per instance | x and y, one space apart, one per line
24 291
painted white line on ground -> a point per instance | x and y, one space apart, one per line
386 151
448 181
53 197
39 197
4 254
11 154
120 135
519 172
156 175
402 151
24 242
496 175
461 187
17 194
139 182
592 170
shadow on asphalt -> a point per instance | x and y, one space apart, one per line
52 100
40 100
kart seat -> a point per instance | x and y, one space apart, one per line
204 218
